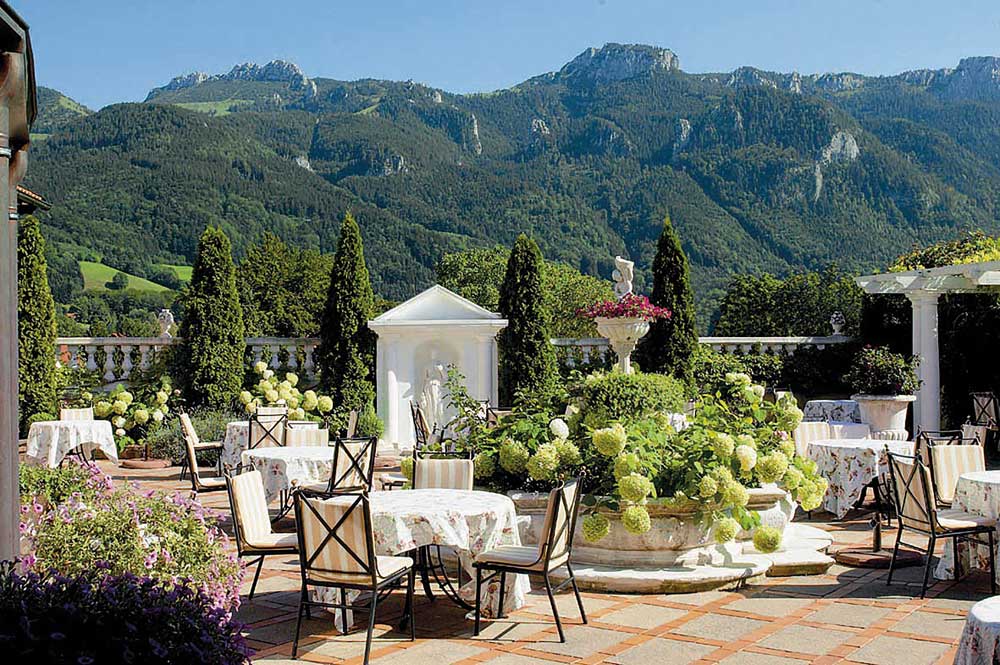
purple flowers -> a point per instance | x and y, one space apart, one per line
632 306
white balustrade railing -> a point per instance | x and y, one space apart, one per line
115 358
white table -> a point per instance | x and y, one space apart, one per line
469 522
850 465
976 492
50 441
284 469
980 642
842 410
237 440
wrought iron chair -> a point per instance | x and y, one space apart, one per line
984 409
187 428
251 521
337 551
353 466
948 462
198 484
913 487
554 549
267 427
927 438
423 435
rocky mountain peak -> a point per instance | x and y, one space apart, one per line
616 62
279 71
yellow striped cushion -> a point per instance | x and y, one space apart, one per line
950 462
76 414
188 428
807 432
974 432
915 511
332 557
454 474
346 474
296 436
557 520
250 508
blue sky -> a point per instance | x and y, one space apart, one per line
116 50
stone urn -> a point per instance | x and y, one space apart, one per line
885 414
623 333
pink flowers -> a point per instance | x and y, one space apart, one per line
631 306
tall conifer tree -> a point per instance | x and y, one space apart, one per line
36 320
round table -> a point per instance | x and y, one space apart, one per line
850 465
468 521
976 492
981 638
284 469
49 441
237 440
843 410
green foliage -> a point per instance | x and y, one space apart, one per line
527 359
710 367
879 371
971 247
53 486
616 396
477 273
346 354
369 424
167 442
800 304
36 331
669 344
131 313
211 355
119 282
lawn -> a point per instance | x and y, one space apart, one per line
183 272
96 275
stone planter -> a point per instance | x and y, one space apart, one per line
885 414
623 334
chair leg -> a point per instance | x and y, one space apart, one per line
503 587
371 626
895 553
184 466
479 585
410 584
256 576
343 610
298 622
927 566
576 590
555 610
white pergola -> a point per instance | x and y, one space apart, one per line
924 288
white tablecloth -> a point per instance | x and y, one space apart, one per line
237 440
470 522
285 468
843 410
851 464
49 441
976 492
980 644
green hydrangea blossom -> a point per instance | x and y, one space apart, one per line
707 487
787 446
792 478
544 463
485 465
610 441
766 539
723 445
735 494
636 520
725 530
595 527
635 487
569 454
771 467
513 456
626 464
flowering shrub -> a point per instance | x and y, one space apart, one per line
879 371
270 391
39 484
109 618
632 306
168 538
134 415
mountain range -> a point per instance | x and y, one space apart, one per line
759 170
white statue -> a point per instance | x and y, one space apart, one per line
432 395
623 277
165 319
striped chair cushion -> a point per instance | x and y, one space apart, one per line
970 431
346 474
950 462
295 436
187 427
839 430
557 521
455 474
916 508
76 414
807 432
520 557
250 509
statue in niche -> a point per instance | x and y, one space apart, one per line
432 395
622 275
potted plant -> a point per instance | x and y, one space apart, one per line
884 383
624 322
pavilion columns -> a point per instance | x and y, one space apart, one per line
927 408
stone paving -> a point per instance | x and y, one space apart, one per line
845 616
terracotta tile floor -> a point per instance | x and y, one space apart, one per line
848 615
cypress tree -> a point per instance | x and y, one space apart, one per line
36 332
527 358
346 353
212 353
670 343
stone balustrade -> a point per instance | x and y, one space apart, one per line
115 358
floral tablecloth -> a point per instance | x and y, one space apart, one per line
283 469
977 492
851 464
841 410
50 441
468 521
237 440
980 644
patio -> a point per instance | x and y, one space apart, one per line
847 615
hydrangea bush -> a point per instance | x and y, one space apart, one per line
168 538
272 391
135 413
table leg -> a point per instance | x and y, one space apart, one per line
877 535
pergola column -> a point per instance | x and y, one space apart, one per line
927 409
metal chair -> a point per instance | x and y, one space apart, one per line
927 438
555 546
423 435
251 522
948 462
984 409
187 428
913 487
337 550
198 484
267 427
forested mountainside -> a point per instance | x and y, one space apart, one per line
759 170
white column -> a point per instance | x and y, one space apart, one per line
927 409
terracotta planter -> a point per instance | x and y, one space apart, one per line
885 414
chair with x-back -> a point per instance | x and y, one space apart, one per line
267 427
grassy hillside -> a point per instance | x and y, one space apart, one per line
97 275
